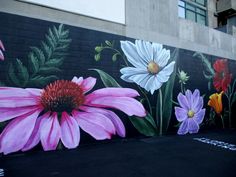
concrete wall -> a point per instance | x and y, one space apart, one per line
151 20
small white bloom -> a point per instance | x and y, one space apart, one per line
149 61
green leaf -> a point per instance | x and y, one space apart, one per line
108 43
107 80
49 70
167 90
206 63
97 57
33 62
114 57
145 125
208 77
54 62
18 73
42 81
98 49
234 98
39 55
44 60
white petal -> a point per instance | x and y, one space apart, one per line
165 73
130 74
144 50
163 57
156 49
132 71
131 53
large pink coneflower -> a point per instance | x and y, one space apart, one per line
58 111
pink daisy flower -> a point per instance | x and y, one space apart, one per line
58 111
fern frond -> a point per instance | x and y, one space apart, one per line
43 62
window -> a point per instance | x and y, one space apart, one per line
194 10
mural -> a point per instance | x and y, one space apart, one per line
105 85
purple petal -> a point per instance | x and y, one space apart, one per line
128 105
181 114
183 101
95 124
50 132
183 129
119 126
70 133
199 116
17 132
189 97
35 136
193 127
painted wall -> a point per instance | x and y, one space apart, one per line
63 86
103 9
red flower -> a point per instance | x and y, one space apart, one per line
222 77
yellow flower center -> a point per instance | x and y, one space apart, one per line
190 114
153 68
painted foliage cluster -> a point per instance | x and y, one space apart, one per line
71 81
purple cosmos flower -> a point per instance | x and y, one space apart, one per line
1 49
190 113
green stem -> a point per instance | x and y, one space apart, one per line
230 122
222 120
182 87
223 124
146 97
229 95
160 120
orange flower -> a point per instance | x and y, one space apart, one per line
216 102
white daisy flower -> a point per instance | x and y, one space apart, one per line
149 62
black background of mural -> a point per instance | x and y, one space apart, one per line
19 33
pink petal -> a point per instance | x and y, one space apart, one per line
35 136
50 132
9 113
15 102
9 92
77 80
119 126
70 133
34 91
88 83
2 46
113 92
95 124
128 105
17 132
1 56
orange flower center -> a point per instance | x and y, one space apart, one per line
62 96
153 68
190 113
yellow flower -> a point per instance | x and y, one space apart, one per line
216 102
